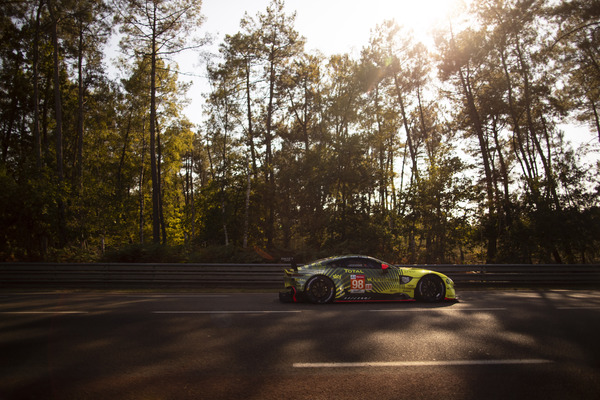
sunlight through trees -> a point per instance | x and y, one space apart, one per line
452 153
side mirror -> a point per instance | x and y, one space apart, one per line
384 268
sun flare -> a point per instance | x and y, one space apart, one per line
337 25
420 16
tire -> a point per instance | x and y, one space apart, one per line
320 290
430 289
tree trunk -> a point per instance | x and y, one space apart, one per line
247 209
59 127
270 179
80 94
141 186
161 213
153 165
57 97
37 139
596 117
491 231
409 139
249 116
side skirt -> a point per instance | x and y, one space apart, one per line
374 297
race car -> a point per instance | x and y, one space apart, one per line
363 278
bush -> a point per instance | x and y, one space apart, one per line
145 253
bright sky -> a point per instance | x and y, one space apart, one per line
330 26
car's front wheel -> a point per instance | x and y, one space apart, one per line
320 290
430 288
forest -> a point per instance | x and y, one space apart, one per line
464 152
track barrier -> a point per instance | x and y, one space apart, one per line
270 276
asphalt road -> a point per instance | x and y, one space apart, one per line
490 345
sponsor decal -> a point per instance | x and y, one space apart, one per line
356 298
354 271
357 283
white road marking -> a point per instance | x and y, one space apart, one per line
44 312
228 312
178 296
303 311
419 363
440 309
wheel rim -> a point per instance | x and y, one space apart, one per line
431 288
320 290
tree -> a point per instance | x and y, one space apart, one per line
91 31
462 62
578 40
223 114
156 29
303 159
237 81
173 139
279 44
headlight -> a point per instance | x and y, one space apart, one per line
405 279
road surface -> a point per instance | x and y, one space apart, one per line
490 345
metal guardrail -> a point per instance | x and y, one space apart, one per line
521 274
267 276
142 275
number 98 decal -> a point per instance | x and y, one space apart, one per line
358 284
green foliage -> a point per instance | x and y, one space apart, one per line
231 254
145 253
300 154
26 219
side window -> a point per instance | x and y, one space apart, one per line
356 263
361 263
372 264
334 264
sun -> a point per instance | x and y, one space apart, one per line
421 16
338 26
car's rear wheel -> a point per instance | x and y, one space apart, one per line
320 290
430 289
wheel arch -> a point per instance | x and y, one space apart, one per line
429 275
307 291
334 277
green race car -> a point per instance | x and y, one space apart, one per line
362 278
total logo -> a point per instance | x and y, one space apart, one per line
353 271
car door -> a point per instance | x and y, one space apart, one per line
355 275
367 278
382 279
